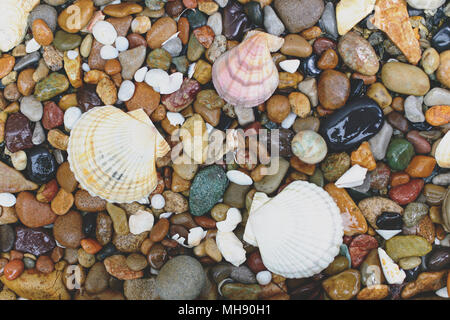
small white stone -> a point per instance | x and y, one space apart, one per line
264 277
288 121
234 217
239 178
353 177
387 234
230 247
7 199
392 272
157 78
104 32
122 44
175 118
195 236
141 221
38 134
126 90
139 76
209 128
426 4
72 54
32 46
32 108
191 70
85 67
442 292
290 65
108 52
413 109
19 160
58 156
71 116
175 82
158 201
166 215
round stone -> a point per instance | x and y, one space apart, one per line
309 146
71 117
104 32
41 165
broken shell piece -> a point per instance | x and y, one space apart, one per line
353 177
233 218
175 118
387 234
391 271
195 236
350 12
141 221
162 82
442 153
442 292
230 247
298 232
290 65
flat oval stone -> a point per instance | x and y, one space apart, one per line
405 78
352 124
51 86
41 165
7 238
438 259
358 54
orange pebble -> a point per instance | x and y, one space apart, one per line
112 67
448 284
91 246
303 167
13 269
183 28
421 166
438 115
399 178
364 157
42 33
7 63
311 33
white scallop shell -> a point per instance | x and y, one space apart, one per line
298 232
442 153
14 20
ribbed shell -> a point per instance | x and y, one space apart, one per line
14 19
112 154
298 232
246 75
443 152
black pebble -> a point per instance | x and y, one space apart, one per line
41 165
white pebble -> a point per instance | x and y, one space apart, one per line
264 277
126 90
166 215
58 156
158 201
239 178
290 65
387 234
104 32
175 82
353 177
140 222
175 118
19 159
195 236
139 76
108 52
157 78
234 217
7 199
38 134
32 46
71 117
122 44
72 54
85 67
289 121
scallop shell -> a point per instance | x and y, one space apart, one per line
246 75
112 154
442 153
14 18
298 232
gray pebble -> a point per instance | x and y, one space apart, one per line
328 21
38 134
46 13
437 96
173 46
272 23
442 179
413 109
243 274
31 108
380 141
215 22
27 61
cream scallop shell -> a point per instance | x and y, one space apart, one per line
442 154
112 154
246 75
298 232
14 20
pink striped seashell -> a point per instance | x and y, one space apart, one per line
246 75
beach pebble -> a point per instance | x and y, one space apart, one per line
7 199
31 108
239 177
71 117
126 90
32 46
104 32
140 74
272 23
122 44
437 96
140 222
109 52
413 109
158 202
290 65
264 277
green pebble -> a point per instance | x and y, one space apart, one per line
240 291
195 49
64 41
414 212
29 263
399 154
159 59
254 12
51 86
400 247
181 63
196 19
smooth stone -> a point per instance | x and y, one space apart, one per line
140 289
41 165
26 61
407 246
195 49
380 142
235 21
352 124
33 213
68 229
344 285
272 23
7 238
426 4
196 18
328 21
309 88
414 212
97 279
64 41
438 259
173 46
215 23
405 78
350 12
333 89
255 12
31 108
358 54
46 13
182 278
271 182
235 195
240 291
51 86
399 153
18 134
441 39
36 241
309 147
437 96
298 15
87 97
243 274
131 60
389 221
413 109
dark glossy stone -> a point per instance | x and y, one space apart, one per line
41 165
18 133
352 124
438 259
157 256
7 237
254 12
420 126
26 61
412 274
107 251
357 88
441 40
309 66
89 224
87 97
235 21
398 121
389 221
284 141
196 19
306 292
36 241
414 12
174 8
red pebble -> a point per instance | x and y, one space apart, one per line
53 116
323 44
255 262
360 247
407 192
13 269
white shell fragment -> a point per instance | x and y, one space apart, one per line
162 82
290 65
32 46
230 247
104 32
141 221
442 292
353 177
239 178
195 236
158 201
391 271
234 217
175 118
7 199
298 232
387 234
